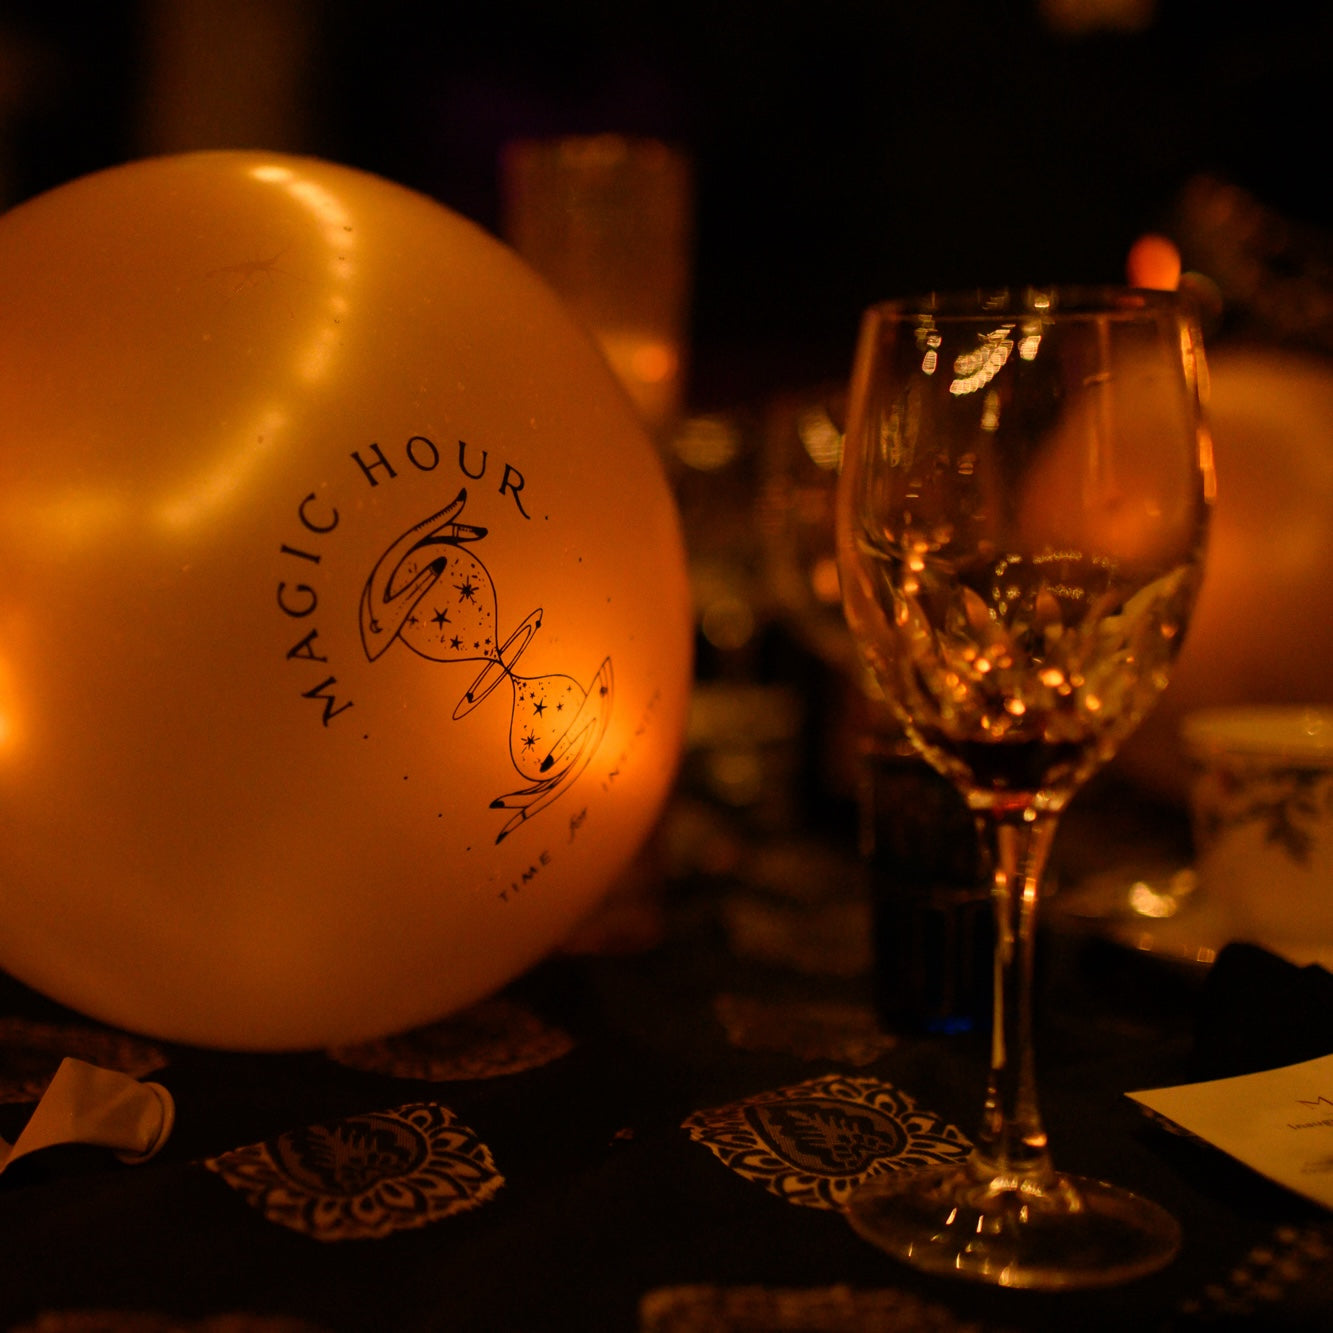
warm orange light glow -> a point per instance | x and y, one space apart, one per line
654 362
649 369
1153 261
9 709
825 581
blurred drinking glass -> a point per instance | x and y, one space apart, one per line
607 219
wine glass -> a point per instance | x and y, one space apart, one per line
1022 514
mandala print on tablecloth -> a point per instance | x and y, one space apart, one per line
365 1176
814 1143
492 1038
30 1054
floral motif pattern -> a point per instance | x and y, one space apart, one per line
1291 804
365 1176
492 1038
812 1144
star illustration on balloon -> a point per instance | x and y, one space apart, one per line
555 723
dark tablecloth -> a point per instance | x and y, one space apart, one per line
656 1135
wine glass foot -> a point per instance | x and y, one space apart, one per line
1073 1233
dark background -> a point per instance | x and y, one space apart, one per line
844 151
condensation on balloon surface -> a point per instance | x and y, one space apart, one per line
344 633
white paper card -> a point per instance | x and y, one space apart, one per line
1280 1122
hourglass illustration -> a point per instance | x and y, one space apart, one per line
431 592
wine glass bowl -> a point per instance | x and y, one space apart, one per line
1022 515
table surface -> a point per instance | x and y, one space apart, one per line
654 1133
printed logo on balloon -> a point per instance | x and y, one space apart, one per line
431 592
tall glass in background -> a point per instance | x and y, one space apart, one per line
1021 525
607 219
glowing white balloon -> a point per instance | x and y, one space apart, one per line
344 624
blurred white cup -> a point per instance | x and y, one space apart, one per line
1261 803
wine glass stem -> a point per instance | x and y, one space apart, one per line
1011 1148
